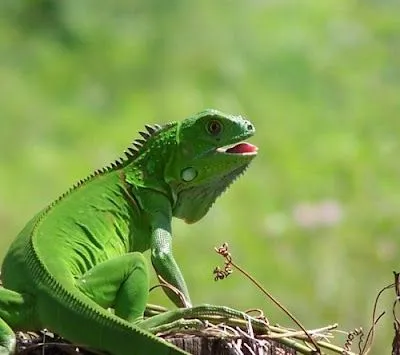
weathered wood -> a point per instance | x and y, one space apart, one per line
197 345
32 344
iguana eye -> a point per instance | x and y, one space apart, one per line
214 127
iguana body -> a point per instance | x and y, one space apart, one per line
83 253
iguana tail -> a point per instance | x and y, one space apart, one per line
66 310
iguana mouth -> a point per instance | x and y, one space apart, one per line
242 148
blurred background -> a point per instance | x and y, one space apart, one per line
316 218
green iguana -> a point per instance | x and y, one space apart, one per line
83 253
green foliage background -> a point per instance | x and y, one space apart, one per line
319 79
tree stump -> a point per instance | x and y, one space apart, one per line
35 344
197 345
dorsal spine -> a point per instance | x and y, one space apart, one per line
131 153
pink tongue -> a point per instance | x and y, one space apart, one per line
242 148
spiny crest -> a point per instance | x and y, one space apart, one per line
134 150
131 153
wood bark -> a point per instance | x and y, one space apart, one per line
217 346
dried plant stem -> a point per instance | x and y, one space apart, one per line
281 332
223 250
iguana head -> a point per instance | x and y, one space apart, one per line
210 154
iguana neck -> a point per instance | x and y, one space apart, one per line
147 168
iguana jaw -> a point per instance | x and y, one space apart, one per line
241 148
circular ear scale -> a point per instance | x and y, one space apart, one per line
188 174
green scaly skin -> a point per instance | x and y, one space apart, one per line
83 253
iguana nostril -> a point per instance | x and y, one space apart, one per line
249 126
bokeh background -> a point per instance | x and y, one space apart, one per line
316 219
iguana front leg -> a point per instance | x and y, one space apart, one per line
162 258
